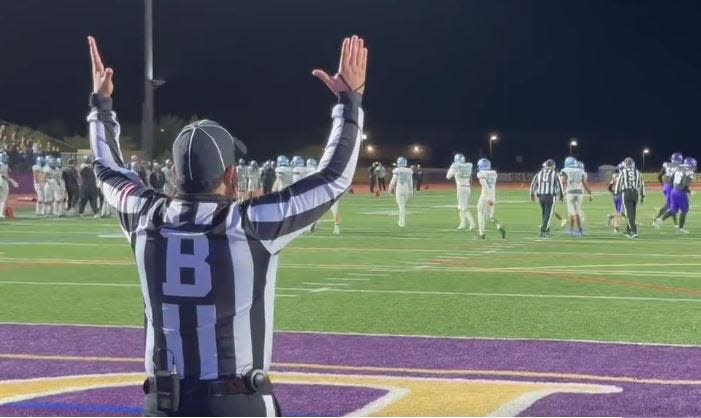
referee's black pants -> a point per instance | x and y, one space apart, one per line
630 206
547 205
195 401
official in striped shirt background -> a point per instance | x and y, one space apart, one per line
546 186
207 263
631 186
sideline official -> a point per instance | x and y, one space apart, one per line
207 263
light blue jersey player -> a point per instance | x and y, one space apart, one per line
299 170
461 171
283 173
486 204
402 185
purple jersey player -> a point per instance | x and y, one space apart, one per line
681 180
665 177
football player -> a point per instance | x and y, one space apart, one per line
283 174
486 204
39 184
575 180
242 179
5 182
665 178
169 173
615 217
461 171
52 192
253 179
402 186
299 171
682 177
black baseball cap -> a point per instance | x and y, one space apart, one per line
202 151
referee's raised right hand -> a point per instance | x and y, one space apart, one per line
101 76
351 68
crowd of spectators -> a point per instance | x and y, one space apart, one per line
23 145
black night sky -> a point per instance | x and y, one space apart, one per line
618 75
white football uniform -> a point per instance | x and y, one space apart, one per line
283 178
242 179
169 187
488 198
39 184
574 185
253 179
402 184
53 199
462 173
4 187
298 173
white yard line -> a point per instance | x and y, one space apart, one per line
68 284
346 279
516 295
367 274
325 284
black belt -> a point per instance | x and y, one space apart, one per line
234 385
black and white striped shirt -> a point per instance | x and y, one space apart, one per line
630 179
208 265
546 182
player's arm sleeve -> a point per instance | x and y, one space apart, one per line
451 173
276 219
122 188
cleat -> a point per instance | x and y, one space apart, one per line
336 230
461 227
657 223
563 223
481 236
682 231
471 228
503 233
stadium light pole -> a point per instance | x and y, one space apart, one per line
492 139
573 144
646 152
147 107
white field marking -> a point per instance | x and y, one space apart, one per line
278 295
584 266
516 295
365 334
370 409
514 407
319 290
350 249
69 284
483 338
65 261
47 324
583 253
69 389
325 284
346 279
367 274
61 244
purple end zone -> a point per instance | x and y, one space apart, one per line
636 361
330 400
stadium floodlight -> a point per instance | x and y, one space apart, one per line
365 136
492 139
416 149
573 143
370 149
646 152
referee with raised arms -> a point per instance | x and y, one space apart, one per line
207 264
546 185
631 186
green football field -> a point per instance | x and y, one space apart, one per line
426 279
